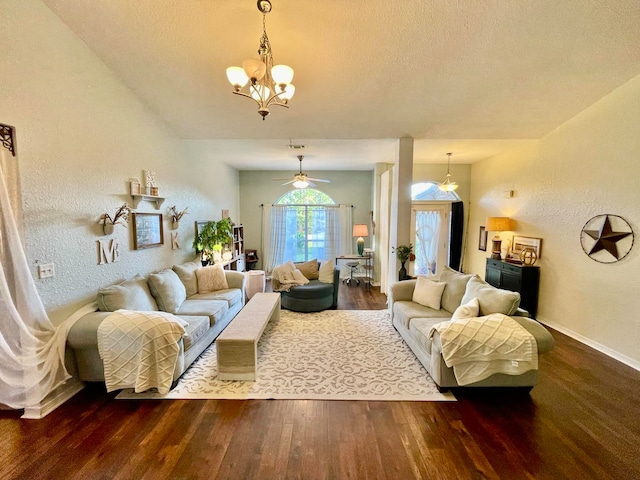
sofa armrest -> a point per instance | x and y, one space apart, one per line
402 291
236 279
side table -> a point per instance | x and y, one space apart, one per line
255 282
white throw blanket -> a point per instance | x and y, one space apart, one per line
478 347
139 349
285 277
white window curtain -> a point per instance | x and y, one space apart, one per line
332 234
427 236
274 235
346 230
31 348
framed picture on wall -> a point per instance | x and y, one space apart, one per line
482 241
521 242
147 230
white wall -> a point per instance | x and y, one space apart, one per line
588 166
81 135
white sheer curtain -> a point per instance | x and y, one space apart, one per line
31 348
274 235
332 234
346 230
427 230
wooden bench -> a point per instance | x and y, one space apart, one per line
237 345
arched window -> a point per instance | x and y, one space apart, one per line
429 191
310 225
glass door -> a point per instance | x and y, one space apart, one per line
430 226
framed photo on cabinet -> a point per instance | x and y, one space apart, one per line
521 242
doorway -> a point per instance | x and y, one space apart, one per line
430 233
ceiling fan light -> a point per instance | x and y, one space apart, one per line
237 77
282 74
301 184
254 69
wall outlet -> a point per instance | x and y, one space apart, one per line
46 270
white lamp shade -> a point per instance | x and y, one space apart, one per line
237 77
498 224
360 230
282 74
288 92
255 69
260 92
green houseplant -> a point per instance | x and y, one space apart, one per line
404 253
212 238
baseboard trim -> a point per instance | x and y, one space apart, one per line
54 399
595 345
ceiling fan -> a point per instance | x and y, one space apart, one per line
301 180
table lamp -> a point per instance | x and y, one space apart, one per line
360 230
498 224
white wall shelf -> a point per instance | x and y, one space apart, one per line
149 198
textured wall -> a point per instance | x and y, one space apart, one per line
81 134
586 167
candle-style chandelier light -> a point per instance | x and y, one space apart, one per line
259 79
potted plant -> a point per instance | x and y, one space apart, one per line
211 239
119 218
404 253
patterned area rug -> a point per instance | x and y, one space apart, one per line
330 355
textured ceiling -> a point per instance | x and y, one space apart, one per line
471 77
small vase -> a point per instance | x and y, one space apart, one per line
175 224
402 274
107 228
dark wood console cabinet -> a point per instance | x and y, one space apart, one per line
517 278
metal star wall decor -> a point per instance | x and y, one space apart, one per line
607 238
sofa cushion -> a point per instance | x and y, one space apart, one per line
214 309
467 310
168 290
187 274
211 278
420 328
405 310
232 296
309 269
131 294
325 272
455 289
197 328
491 299
428 293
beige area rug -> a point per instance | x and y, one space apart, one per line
330 355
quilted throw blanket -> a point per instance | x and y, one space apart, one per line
283 278
478 347
139 349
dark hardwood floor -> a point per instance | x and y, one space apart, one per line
582 421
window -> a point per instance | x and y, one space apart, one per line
311 225
430 191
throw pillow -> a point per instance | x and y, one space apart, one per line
168 290
309 269
491 299
454 291
428 293
187 274
211 279
325 273
468 310
131 294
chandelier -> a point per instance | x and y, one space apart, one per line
448 185
260 80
